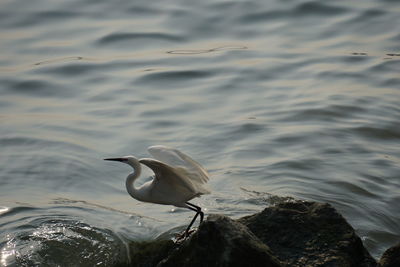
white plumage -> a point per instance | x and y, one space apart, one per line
177 179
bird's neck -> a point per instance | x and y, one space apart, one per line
130 181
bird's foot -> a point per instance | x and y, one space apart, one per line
181 237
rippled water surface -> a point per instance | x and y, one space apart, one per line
275 98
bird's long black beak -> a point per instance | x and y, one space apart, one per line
115 159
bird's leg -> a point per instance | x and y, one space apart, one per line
198 211
190 225
185 234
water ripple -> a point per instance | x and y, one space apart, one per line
74 70
38 142
353 188
203 51
389 133
113 38
36 87
316 8
175 77
49 16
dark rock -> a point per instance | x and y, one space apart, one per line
308 234
293 233
221 241
391 257
149 253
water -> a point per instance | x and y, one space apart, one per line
275 98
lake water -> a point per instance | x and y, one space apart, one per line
276 99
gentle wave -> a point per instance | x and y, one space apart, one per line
132 37
38 142
174 76
36 88
316 8
62 241
387 133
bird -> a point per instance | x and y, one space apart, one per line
177 179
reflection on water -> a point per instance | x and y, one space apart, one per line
276 99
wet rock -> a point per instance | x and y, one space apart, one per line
391 257
149 253
221 241
294 233
308 234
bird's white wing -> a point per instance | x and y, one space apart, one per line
170 180
180 161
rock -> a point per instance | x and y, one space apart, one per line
221 241
308 234
294 233
149 253
391 257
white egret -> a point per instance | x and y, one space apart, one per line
177 179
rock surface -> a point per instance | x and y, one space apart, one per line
220 241
295 233
391 257
149 253
309 234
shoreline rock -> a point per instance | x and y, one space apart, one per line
295 233
221 241
309 234
391 257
